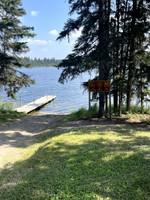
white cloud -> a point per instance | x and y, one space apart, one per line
34 13
77 33
50 42
37 42
53 32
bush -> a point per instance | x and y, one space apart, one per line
83 113
7 113
134 110
6 107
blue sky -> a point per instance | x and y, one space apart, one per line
48 18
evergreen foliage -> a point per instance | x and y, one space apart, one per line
91 47
37 62
11 46
115 42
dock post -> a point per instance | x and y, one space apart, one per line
20 100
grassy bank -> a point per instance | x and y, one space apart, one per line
7 113
135 113
107 161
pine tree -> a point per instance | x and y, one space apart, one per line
11 46
138 33
91 48
111 42
129 40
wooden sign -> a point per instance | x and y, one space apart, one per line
99 86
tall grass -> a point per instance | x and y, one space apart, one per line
6 107
7 113
84 113
136 110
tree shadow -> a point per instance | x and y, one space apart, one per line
83 168
25 131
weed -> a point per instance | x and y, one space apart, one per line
7 113
83 113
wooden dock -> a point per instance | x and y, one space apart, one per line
35 104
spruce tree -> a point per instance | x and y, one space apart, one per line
12 45
112 40
139 26
129 42
91 48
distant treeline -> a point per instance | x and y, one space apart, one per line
36 62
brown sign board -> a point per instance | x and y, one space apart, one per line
99 86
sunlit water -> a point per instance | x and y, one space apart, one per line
69 96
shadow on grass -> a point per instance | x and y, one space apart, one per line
7 116
83 164
24 131
34 125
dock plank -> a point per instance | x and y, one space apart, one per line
35 104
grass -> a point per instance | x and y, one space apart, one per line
7 114
136 110
110 163
83 113
146 121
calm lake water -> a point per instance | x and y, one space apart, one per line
69 96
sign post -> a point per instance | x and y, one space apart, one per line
110 104
99 86
89 105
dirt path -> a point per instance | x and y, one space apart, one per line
16 136
21 133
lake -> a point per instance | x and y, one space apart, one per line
69 96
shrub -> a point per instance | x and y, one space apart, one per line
83 113
5 107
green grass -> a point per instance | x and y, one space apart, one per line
136 110
146 121
7 114
83 113
89 163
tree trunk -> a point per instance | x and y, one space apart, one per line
131 58
129 91
142 98
122 63
101 66
106 104
116 91
142 88
120 102
115 99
